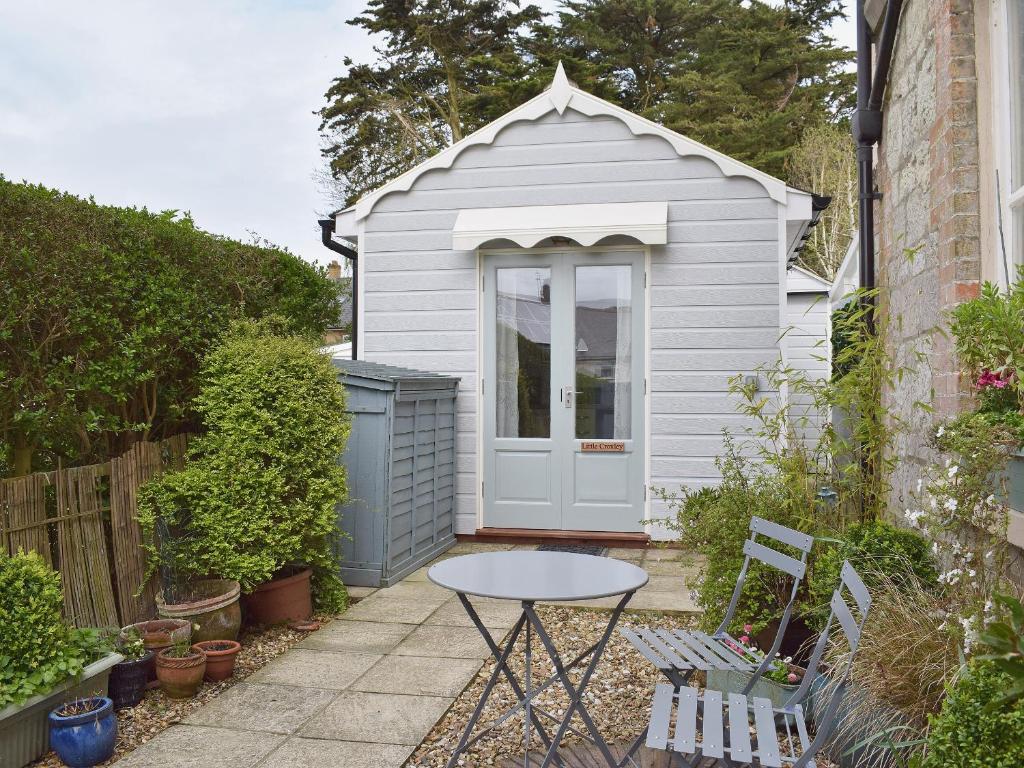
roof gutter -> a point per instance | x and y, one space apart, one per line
327 238
867 123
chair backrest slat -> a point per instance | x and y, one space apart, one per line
774 558
762 527
855 584
849 624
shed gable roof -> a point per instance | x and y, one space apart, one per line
558 97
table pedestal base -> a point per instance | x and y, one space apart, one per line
527 693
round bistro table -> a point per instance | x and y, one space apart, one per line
529 577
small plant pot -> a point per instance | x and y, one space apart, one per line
85 739
280 600
212 609
220 658
128 681
158 634
181 676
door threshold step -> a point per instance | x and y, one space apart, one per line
534 536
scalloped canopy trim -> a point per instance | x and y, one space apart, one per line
587 224
562 95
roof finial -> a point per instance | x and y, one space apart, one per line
560 90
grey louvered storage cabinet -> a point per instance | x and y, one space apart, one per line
400 460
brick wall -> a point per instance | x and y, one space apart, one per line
928 224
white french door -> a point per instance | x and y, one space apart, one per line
563 415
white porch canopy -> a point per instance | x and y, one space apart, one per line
586 224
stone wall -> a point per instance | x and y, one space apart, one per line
928 223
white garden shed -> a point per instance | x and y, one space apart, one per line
593 279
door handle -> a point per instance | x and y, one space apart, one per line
566 395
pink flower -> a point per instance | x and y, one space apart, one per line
748 628
992 379
999 384
744 639
792 677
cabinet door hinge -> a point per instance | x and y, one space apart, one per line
481 489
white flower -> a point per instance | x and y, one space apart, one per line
914 516
950 505
941 430
970 633
952 471
920 484
991 499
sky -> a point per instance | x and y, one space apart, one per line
204 106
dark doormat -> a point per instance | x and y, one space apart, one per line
576 549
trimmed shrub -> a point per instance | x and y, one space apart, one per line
716 523
969 732
873 549
259 492
37 649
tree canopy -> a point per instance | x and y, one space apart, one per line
746 78
106 312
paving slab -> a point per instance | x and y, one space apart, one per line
359 593
303 753
418 675
446 642
379 718
307 668
197 746
627 554
261 707
655 554
472 547
358 637
495 614
392 611
672 602
415 590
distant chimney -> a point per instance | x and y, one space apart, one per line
334 270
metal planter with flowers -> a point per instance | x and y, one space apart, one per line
778 684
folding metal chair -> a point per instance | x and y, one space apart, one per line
744 730
679 653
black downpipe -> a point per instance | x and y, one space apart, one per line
327 238
867 123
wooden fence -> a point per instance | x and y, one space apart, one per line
82 521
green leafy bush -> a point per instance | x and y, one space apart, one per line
106 313
878 551
259 492
969 732
37 649
716 522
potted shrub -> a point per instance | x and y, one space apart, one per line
256 502
128 678
180 670
220 658
46 661
83 732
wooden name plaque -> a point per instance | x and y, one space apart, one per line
603 446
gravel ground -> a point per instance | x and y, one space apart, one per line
618 697
156 712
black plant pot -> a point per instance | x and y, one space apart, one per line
128 681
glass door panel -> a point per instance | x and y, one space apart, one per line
523 352
604 352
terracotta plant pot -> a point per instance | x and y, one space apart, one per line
158 634
281 600
180 677
212 609
220 658
128 681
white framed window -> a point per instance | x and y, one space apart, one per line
1008 102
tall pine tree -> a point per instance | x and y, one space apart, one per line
445 68
742 76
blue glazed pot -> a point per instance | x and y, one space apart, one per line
84 740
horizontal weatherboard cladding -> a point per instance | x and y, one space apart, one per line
713 295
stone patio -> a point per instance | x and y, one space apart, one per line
366 689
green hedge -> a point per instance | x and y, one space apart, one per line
106 312
37 649
260 488
969 732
